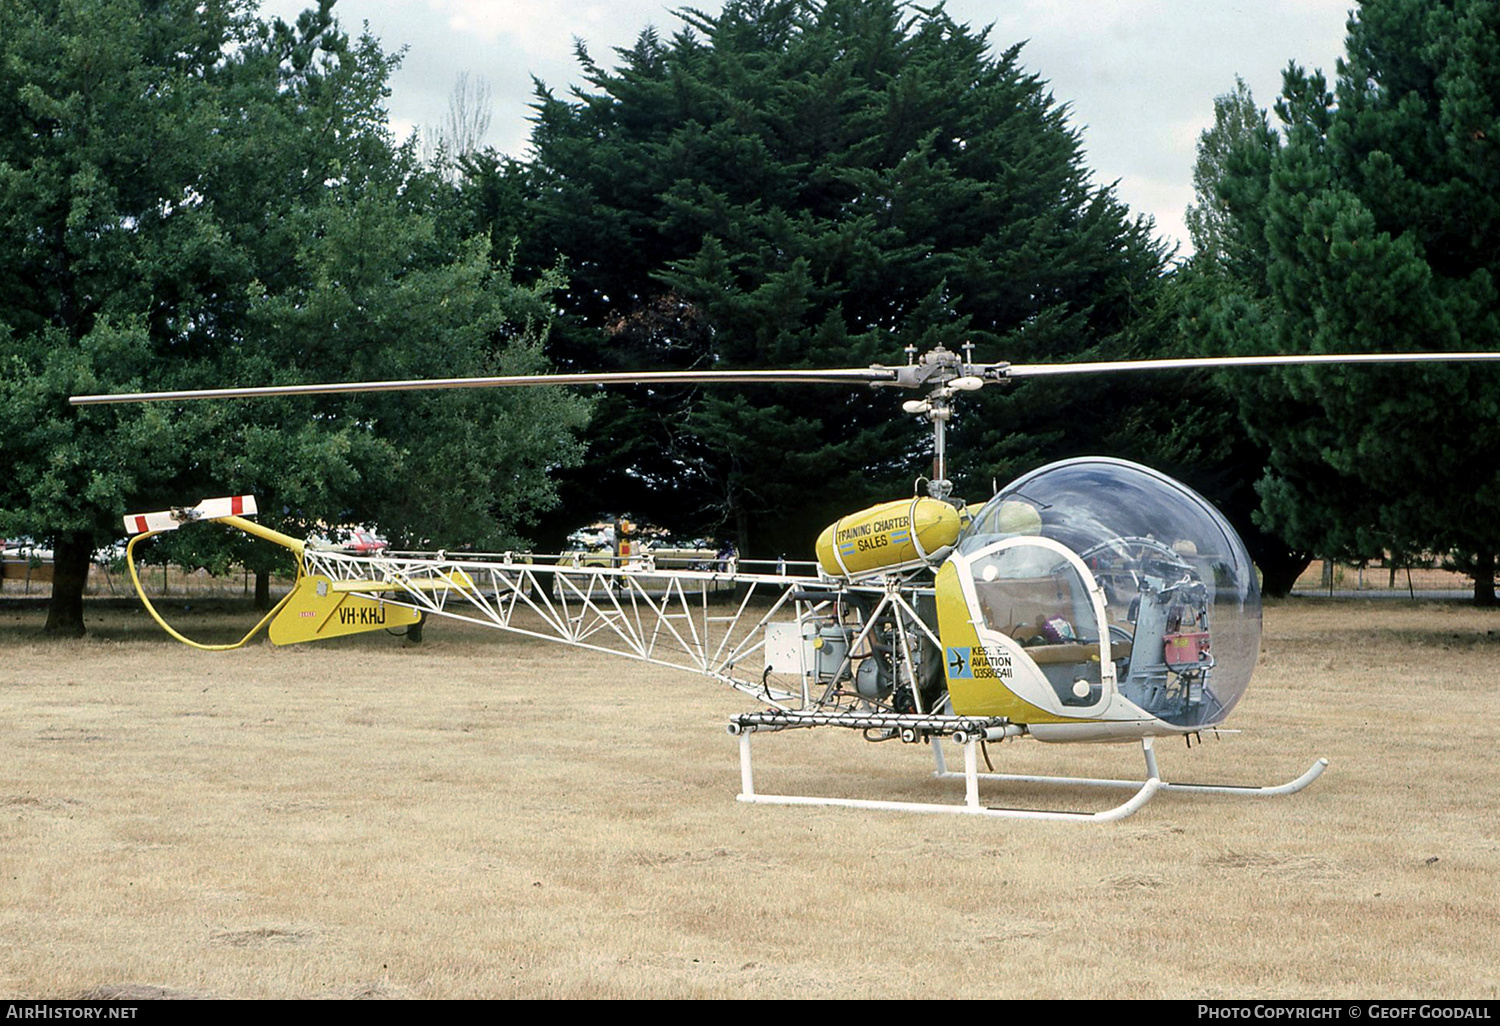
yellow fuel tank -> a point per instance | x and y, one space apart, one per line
891 536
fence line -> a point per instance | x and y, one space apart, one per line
1328 576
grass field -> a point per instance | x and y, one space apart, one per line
486 817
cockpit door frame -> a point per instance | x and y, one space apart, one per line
1107 677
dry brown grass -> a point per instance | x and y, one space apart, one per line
488 817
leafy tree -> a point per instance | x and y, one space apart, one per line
380 293
190 197
108 239
1230 178
803 184
1381 222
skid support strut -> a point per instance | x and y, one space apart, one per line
970 807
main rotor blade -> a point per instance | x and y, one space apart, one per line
911 376
850 375
1040 370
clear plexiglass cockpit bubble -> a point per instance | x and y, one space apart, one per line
1182 602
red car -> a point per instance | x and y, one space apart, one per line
364 543
357 540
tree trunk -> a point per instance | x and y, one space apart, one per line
262 589
1484 580
1279 570
742 530
71 555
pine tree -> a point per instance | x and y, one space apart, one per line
1382 220
796 184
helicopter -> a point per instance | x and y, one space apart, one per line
1092 600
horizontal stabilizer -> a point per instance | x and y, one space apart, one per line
208 509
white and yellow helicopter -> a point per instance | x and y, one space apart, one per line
1092 600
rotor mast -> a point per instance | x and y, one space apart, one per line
946 373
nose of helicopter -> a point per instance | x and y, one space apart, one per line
1181 604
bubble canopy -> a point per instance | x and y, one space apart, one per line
1182 602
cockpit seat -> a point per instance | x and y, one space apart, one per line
1066 653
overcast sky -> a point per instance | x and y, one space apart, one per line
1140 76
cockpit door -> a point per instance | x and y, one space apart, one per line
1034 604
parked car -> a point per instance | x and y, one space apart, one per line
357 540
365 543
26 548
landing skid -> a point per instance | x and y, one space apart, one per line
1244 790
1144 790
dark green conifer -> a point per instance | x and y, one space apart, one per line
1381 222
796 184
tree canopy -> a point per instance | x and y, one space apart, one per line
191 197
807 184
1373 224
1226 274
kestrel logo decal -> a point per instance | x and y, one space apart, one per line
958 664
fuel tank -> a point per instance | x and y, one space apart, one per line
891 536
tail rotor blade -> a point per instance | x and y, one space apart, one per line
208 509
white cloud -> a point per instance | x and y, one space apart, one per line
536 26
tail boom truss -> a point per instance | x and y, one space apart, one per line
709 622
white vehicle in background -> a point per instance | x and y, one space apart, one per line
26 548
